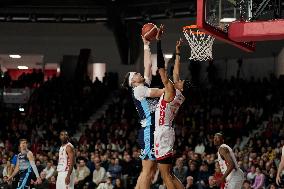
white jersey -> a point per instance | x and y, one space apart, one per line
164 135
64 161
166 111
237 173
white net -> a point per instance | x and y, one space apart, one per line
200 44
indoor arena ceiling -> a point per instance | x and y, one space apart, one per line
93 10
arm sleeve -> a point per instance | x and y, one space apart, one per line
34 168
160 57
141 92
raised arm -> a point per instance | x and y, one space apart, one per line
161 64
147 56
169 87
176 70
147 61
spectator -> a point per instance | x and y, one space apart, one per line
272 186
270 178
39 166
82 173
2 167
118 184
128 171
203 176
218 174
259 179
211 183
193 171
199 148
246 185
91 163
190 183
107 184
114 168
99 175
44 182
251 175
180 170
8 169
49 170
52 183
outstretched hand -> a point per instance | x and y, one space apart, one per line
178 45
160 32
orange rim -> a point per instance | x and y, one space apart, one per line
186 28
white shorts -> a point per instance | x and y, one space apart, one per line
60 182
164 139
235 181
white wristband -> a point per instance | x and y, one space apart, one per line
146 47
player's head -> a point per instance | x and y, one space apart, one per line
64 137
133 79
218 139
23 144
182 85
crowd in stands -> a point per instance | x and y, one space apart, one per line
31 80
107 154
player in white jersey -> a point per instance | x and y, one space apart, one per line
65 167
168 106
233 176
280 169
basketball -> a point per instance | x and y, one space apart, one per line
149 31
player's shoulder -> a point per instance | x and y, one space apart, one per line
224 148
69 145
29 153
140 91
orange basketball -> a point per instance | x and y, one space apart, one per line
149 31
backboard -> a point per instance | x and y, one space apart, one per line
215 16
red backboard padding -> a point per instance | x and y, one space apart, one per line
257 31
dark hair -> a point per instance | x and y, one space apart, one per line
64 131
50 161
23 140
247 181
125 83
257 166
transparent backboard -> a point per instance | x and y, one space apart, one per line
220 13
215 16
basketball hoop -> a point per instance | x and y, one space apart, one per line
200 43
